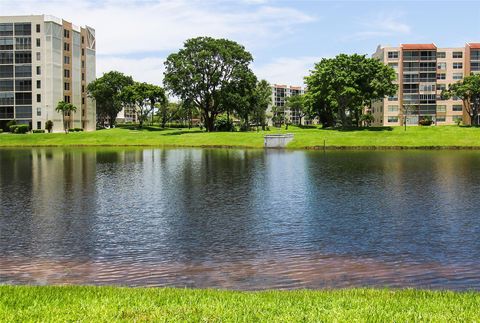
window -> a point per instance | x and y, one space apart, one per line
23 85
441 76
39 112
39 98
393 54
83 112
457 118
392 108
66 86
441 108
6 29
23 112
457 76
38 56
457 66
427 87
66 73
23 57
6 85
83 64
6 43
393 98
440 119
393 65
6 71
38 28
6 57
23 29
83 52
39 84
23 43
39 71
457 55
441 55
66 33
38 42
442 66
441 87
23 98
67 98
66 47
457 107
66 59
6 112
6 98
83 76
83 88
392 119
83 100
39 125
23 71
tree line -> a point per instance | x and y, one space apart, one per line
212 80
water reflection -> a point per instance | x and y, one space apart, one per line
244 219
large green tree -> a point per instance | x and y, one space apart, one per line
106 91
204 71
65 109
341 87
143 97
468 90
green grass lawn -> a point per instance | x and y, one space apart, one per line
107 304
443 136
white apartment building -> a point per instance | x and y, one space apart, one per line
44 60
423 71
280 93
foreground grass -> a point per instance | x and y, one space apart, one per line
443 136
80 303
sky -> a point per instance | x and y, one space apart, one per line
286 37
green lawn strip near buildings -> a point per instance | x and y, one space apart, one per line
395 137
82 303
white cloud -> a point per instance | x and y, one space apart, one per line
289 71
147 69
138 27
382 25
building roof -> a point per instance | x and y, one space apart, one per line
474 45
419 46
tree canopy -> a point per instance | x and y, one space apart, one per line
65 108
339 88
106 91
468 90
205 72
143 97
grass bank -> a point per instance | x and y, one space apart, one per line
79 303
382 138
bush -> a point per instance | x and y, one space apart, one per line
78 129
223 124
10 124
426 121
38 131
21 128
49 125
71 130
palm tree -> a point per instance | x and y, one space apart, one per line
65 108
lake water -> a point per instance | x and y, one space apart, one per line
240 219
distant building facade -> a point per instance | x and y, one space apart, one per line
280 93
423 71
44 60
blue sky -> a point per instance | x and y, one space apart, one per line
285 37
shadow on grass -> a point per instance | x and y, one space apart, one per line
181 132
352 129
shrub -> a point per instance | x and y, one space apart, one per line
71 130
21 128
49 125
223 124
10 124
426 121
78 129
38 131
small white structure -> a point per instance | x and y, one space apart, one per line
277 140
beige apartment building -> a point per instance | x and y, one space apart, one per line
280 93
423 71
44 60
